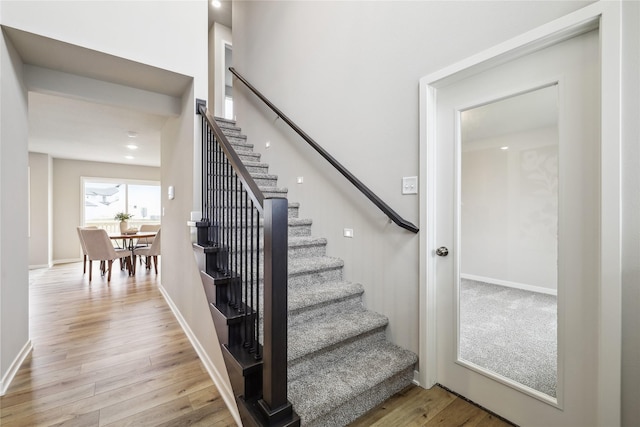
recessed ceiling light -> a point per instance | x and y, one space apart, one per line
132 134
504 148
132 146
129 157
216 3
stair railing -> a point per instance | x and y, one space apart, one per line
391 214
233 207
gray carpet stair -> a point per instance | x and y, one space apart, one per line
340 363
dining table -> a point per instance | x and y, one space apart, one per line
129 240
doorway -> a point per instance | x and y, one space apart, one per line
457 255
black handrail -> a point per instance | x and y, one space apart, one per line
393 215
243 174
230 197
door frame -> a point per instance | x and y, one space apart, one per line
606 16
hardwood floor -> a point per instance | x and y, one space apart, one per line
416 406
114 355
108 355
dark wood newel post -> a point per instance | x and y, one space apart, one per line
274 401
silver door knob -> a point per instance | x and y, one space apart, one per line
442 251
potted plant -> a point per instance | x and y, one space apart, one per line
123 218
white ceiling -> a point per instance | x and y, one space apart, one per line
70 128
79 130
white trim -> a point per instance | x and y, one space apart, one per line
608 15
216 377
66 261
510 284
38 266
13 368
610 315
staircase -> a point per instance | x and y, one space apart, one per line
340 364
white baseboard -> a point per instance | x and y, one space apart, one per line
216 377
508 284
13 369
38 266
66 261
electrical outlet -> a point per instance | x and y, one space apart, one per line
300 180
348 232
267 144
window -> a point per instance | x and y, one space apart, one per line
103 198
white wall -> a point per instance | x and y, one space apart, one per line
347 73
631 214
40 215
68 198
14 253
509 209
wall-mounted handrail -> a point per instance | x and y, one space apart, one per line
393 215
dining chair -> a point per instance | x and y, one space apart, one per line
100 248
149 252
145 228
84 247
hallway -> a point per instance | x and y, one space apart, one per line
108 355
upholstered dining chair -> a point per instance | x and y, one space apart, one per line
149 252
84 247
146 241
100 248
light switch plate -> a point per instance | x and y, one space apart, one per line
410 185
348 232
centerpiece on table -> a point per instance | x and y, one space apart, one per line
124 225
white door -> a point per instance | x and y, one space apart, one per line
517 211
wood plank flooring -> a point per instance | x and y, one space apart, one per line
415 406
114 355
108 355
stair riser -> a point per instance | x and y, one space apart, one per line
309 251
314 278
263 168
307 364
240 147
292 211
247 156
359 405
296 252
274 194
241 139
330 308
295 230
266 182
228 130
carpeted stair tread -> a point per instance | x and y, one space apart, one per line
299 266
265 176
302 298
331 386
256 164
310 337
340 363
304 241
267 189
